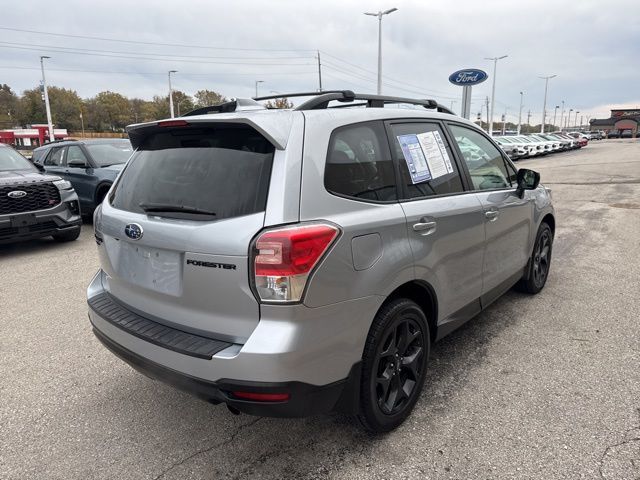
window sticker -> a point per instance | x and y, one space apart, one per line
415 158
435 153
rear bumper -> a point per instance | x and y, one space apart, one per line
304 399
42 223
313 354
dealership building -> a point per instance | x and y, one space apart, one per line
31 137
620 120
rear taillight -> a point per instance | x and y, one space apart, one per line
173 123
284 258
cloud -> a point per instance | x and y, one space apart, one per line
593 48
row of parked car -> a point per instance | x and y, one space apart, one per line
64 181
534 145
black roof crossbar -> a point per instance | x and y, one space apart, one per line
321 100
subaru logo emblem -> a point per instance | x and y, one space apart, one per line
17 194
133 231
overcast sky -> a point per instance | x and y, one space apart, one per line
592 46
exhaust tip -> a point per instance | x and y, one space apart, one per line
233 410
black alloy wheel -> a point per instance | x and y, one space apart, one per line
394 365
541 259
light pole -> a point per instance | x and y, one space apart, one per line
258 82
520 114
380 14
562 115
46 100
544 105
555 112
171 93
569 118
575 122
82 122
493 89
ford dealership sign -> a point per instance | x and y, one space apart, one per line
468 77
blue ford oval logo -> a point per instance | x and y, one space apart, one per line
468 76
133 231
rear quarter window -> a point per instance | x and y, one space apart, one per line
223 169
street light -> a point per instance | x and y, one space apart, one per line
555 112
171 93
493 89
544 105
257 82
46 100
562 115
520 114
569 118
575 122
380 14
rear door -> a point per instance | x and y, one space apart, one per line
444 223
80 173
507 217
178 225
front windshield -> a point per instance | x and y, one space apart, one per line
105 154
12 160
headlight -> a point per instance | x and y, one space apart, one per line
63 185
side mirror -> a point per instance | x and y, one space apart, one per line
527 180
39 166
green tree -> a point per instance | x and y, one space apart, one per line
205 98
182 103
65 107
9 103
108 111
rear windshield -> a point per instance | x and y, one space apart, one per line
206 173
105 154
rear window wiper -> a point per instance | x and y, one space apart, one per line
161 207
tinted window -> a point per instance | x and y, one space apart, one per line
12 160
104 154
358 163
484 161
76 156
222 169
425 160
54 159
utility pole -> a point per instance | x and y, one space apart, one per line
319 74
555 112
46 100
380 14
171 94
493 89
504 121
544 105
562 115
487 104
520 113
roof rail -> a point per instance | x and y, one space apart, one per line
233 105
322 99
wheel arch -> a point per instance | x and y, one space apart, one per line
424 295
101 190
550 220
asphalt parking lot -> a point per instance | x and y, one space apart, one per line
535 387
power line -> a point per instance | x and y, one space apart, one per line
147 58
163 55
137 42
182 74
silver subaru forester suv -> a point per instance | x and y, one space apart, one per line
296 262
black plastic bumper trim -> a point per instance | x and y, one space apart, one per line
305 399
108 309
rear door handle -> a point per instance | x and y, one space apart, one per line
491 215
425 227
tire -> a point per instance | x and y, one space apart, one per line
395 355
68 236
539 263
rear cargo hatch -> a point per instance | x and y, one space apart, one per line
175 232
